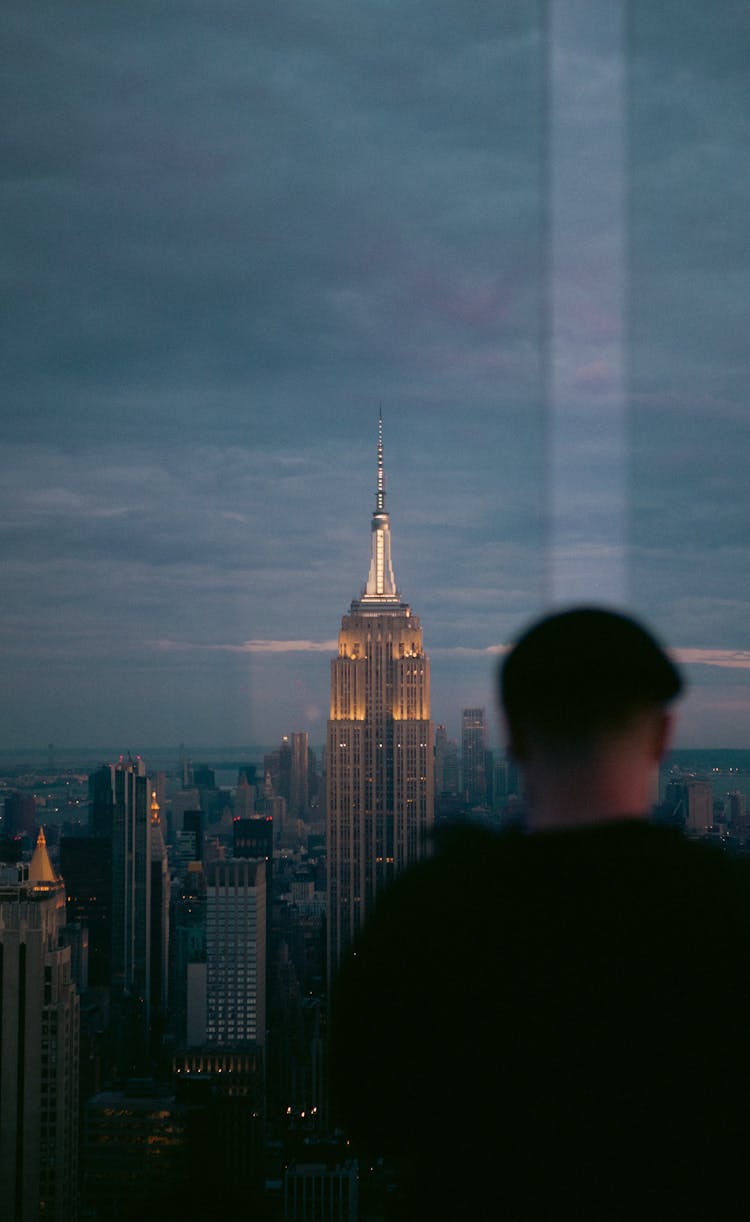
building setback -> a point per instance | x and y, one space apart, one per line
380 787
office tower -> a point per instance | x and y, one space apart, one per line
222 1092
136 1155
253 837
19 817
39 1034
299 784
236 952
193 826
277 769
159 951
86 869
187 992
204 777
323 1185
446 763
100 801
131 898
250 774
244 798
379 756
183 801
474 781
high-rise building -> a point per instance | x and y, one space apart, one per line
254 837
86 868
380 794
474 779
160 897
100 801
244 798
446 763
20 815
277 770
299 786
136 1155
39 1038
131 895
323 1186
236 953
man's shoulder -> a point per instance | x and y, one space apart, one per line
626 866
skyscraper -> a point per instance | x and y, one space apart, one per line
39 1034
473 757
86 867
236 953
131 898
380 803
299 788
446 763
20 815
159 932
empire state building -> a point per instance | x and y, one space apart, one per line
380 802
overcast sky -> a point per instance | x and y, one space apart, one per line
231 230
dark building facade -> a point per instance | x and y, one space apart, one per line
86 869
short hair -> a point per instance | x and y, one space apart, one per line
577 673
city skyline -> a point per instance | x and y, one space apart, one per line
231 234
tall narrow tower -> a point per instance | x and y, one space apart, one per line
380 803
39 1031
131 903
473 747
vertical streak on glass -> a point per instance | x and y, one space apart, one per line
586 228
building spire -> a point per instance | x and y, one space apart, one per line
41 869
380 494
381 584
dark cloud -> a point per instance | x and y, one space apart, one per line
230 231
689 294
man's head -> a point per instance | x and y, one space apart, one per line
590 688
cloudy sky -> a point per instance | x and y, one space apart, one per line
231 230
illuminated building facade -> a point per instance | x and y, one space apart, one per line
39 1040
379 757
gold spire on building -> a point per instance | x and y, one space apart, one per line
41 869
155 808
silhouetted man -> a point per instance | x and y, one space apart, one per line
554 1023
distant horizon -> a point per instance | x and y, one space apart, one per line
198 755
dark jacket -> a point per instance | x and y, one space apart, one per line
555 1025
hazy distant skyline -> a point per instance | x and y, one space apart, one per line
231 232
